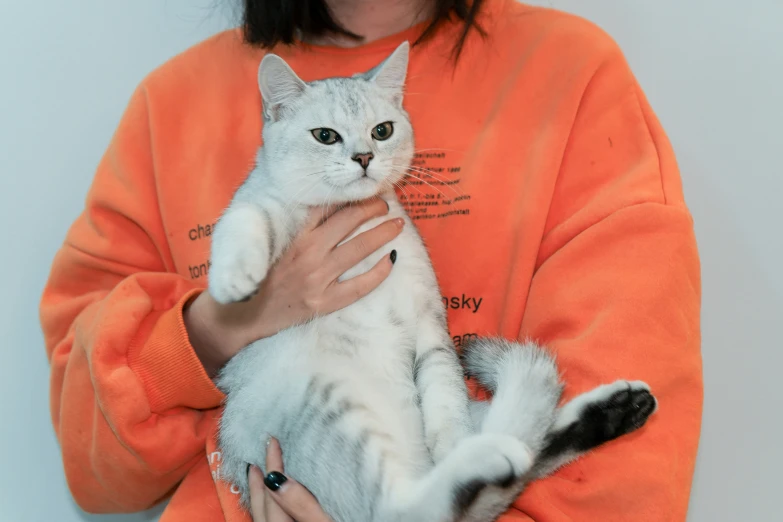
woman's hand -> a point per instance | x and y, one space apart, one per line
278 498
300 286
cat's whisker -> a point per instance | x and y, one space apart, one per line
445 181
423 169
401 187
386 185
416 151
430 173
400 170
409 170
407 166
397 185
428 184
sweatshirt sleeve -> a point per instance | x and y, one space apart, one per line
616 295
130 402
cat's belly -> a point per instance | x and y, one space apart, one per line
355 428
361 377
317 379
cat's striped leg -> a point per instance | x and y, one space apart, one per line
443 395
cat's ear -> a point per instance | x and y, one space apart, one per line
279 85
390 74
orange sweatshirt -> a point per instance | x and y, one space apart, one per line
561 218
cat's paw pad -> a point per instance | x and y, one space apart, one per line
235 275
608 412
628 409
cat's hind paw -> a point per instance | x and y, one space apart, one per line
605 413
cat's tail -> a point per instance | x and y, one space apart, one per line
525 384
526 388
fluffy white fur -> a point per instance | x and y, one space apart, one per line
369 403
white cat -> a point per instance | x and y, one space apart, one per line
369 403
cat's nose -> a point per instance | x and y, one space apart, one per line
363 159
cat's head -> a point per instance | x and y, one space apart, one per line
339 139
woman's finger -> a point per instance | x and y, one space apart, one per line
342 294
294 499
258 494
318 215
274 461
350 253
286 495
343 222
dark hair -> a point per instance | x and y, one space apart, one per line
269 22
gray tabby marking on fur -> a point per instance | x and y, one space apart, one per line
369 403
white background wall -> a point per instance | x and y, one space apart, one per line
711 68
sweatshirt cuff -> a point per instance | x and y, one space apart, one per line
172 373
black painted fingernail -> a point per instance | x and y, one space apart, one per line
275 480
393 256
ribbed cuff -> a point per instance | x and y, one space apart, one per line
169 367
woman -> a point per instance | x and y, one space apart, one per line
554 211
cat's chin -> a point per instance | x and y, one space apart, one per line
359 190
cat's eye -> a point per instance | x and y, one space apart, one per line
326 136
383 131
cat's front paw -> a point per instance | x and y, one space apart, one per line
236 273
